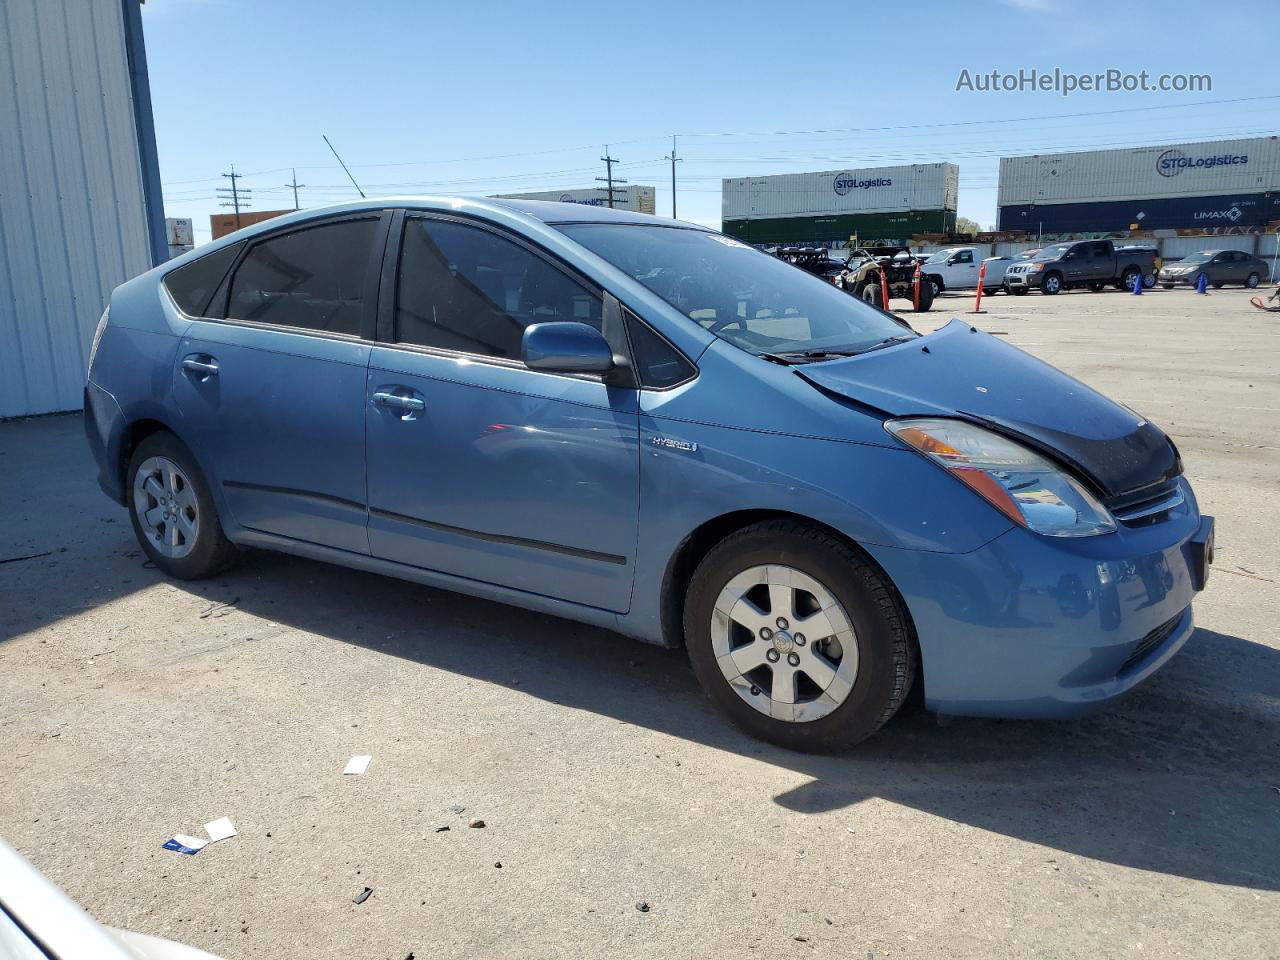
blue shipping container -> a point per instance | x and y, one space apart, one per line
1169 213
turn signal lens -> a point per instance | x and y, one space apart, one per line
1030 490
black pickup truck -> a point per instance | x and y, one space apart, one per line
1082 263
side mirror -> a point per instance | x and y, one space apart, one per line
565 347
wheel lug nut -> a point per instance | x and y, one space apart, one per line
766 633
772 656
755 691
793 659
799 639
782 623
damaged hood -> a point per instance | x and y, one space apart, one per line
961 371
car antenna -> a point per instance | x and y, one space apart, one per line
344 168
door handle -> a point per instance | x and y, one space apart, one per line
399 402
206 368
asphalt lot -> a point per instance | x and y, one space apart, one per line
130 710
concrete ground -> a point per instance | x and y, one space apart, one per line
133 707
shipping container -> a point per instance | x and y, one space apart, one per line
1219 168
868 228
1239 212
931 186
223 223
634 197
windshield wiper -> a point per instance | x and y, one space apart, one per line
790 357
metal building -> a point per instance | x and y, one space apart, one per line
80 205
880 204
1221 186
633 197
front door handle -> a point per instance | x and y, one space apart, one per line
398 401
204 365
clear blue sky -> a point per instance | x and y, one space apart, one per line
493 96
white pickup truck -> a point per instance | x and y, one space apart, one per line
956 268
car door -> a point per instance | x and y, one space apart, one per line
271 387
962 271
478 466
1102 263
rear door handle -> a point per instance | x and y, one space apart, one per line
398 401
204 365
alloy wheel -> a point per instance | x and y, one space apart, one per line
166 507
784 643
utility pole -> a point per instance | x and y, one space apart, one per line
674 160
295 184
608 178
235 196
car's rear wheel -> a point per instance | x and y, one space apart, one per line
172 510
926 296
797 637
1130 278
1166 286
1252 281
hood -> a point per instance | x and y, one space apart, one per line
961 371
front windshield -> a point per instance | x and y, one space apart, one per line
1199 257
1053 253
940 257
752 300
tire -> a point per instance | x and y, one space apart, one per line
865 692
1148 281
926 297
1097 287
1131 276
1251 282
179 487
1166 286
1218 284
1018 291
937 284
871 294
1051 285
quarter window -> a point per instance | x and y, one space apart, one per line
192 285
467 289
312 278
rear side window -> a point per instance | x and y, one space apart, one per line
467 289
657 362
192 285
312 278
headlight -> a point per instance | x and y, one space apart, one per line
1035 267
1024 486
97 336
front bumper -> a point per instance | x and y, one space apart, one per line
1039 627
1188 278
1030 280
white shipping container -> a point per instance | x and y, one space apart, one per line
634 197
1140 173
929 186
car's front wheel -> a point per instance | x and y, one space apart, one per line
172 510
797 637
1251 281
1051 284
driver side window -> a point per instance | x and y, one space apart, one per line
464 288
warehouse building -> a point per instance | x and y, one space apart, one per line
633 197
1226 186
80 204
880 205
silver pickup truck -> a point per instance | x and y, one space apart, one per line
1082 263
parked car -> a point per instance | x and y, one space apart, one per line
955 268
654 428
1218 266
40 922
1082 263
995 270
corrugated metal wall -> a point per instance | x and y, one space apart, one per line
930 186
73 222
1168 170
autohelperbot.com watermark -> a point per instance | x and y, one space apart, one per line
1066 82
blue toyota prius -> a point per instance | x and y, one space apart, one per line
652 427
